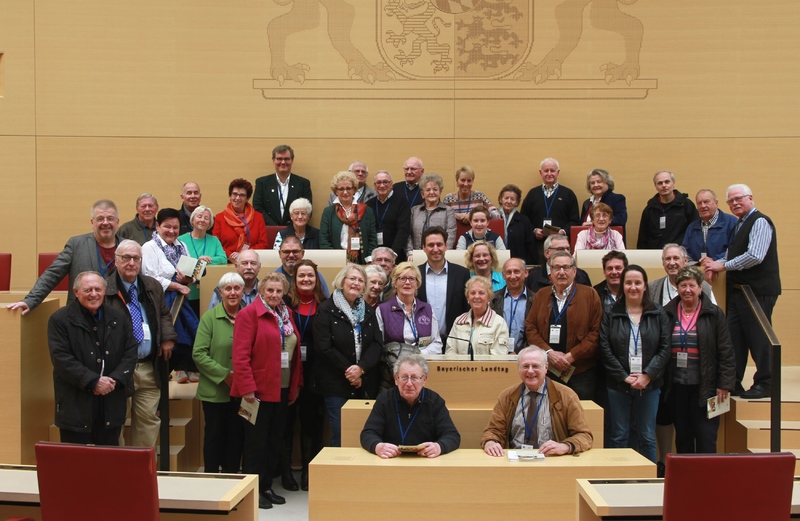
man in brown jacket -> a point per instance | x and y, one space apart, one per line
520 421
565 321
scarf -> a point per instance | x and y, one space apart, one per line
353 228
354 314
598 241
240 223
281 314
174 252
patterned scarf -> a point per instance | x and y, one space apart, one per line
174 252
353 228
281 314
598 241
354 314
241 223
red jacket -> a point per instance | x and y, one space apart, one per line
257 355
229 235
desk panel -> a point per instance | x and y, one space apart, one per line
477 383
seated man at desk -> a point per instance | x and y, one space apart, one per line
410 415
519 421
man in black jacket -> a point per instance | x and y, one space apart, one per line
666 216
392 215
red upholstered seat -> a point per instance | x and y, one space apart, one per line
272 232
45 260
5 271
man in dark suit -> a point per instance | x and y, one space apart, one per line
443 283
392 216
275 192
409 189
89 252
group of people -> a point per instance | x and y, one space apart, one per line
651 352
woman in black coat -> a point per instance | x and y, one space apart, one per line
519 238
600 184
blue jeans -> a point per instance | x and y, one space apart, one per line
334 405
624 407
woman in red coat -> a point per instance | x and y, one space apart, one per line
266 367
239 226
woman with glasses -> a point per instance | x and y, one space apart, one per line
348 225
202 246
599 235
480 329
240 227
299 213
432 212
348 345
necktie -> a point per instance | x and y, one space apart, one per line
534 398
136 314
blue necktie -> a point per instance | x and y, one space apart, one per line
136 314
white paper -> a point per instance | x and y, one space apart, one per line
716 409
249 411
565 375
191 267
525 455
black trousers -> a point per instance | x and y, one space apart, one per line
224 436
694 432
100 434
262 441
747 335
310 408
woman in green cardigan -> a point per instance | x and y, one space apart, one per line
224 436
347 225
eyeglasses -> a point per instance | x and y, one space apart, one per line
412 168
127 258
300 214
737 200
283 159
359 171
383 182
561 268
406 279
345 189
355 280
290 252
237 195
561 248
528 367
101 220
413 379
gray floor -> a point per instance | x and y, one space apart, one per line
295 509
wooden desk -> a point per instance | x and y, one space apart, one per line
182 497
470 422
351 484
477 383
633 500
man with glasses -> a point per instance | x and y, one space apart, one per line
275 193
392 215
539 277
292 252
538 414
409 417
248 264
142 299
89 252
409 189
364 193
752 259
386 259
565 322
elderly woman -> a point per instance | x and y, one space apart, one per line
299 213
348 225
465 199
348 344
600 184
479 230
599 236
431 213
202 246
224 432
702 365
305 297
519 237
480 329
240 227
481 259
266 367
376 281
635 349
160 258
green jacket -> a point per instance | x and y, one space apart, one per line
212 354
330 233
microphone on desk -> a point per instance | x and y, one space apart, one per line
470 351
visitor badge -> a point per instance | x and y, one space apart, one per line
547 222
683 360
245 246
526 446
512 342
380 238
555 335
146 330
284 359
703 255
662 222
636 364
355 243
303 352
358 353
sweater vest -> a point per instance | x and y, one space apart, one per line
394 320
763 278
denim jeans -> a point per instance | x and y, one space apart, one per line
334 405
624 407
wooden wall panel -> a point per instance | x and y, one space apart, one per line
18 207
17 95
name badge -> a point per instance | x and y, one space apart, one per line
547 222
683 360
245 246
703 255
662 222
525 446
358 353
303 352
284 360
380 238
555 334
636 364
512 342
355 243
146 329
425 341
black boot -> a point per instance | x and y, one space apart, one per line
304 479
287 479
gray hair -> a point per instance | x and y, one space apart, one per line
671 175
104 204
374 269
552 237
559 254
743 187
146 196
301 203
338 281
384 172
607 179
431 178
532 349
200 209
684 253
384 249
82 275
549 160
709 190
125 244
230 278
411 359
354 163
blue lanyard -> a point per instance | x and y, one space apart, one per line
103 266
304 326
667 287
246 227
548 207
404 433
636 332
469 202
144 231
684 333
566 305
280 195
385 211
194 247
529 427
413 328
411 202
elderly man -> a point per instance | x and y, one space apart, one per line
666 215
752 259
708 236
614 262
291 252
409 189
143 225
565 321
409 417
275 192
364 193
89 252
506 303
387 260
93 354
392 215
190 200
550 205
539 278
674 258
142 299
519 421
248 264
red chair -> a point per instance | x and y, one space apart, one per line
728 486
45 260
78 482
5 271
272 232
575 230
